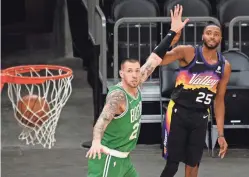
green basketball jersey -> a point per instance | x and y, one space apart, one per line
122 132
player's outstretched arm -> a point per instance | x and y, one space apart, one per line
219 109
115 104
158 53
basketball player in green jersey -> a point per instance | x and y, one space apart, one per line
116 132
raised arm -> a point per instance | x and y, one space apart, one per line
154 60
159 52
177 53
219 109
115 104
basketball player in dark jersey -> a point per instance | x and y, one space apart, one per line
202 80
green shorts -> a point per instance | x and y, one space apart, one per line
110 166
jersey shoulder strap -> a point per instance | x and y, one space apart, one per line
198 54
114 88
222 63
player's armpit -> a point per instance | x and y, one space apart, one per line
176 53
115 102
219 105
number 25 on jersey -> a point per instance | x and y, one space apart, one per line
204 98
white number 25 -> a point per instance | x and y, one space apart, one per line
204 98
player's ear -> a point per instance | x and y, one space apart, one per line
121 74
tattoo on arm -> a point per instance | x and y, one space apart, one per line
146 71
111 108
148 68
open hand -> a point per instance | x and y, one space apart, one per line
223 146
96 149
176 19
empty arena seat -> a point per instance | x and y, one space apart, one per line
236 104
237 59
129 8
240 67
232 8
214 4
219 2
129 34
168 76
192 8
227 11
237 94
106 6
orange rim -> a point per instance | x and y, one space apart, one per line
9 75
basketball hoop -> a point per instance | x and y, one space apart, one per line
38 93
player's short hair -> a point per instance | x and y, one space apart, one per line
131 60
211 24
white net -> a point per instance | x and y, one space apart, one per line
37 107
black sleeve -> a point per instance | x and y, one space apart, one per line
164 45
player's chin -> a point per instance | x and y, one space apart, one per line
214 46
134 84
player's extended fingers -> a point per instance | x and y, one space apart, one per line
175 11
171 14
221 148
185 21
225 150
180 11
222 152
89 154
94 153
99 154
